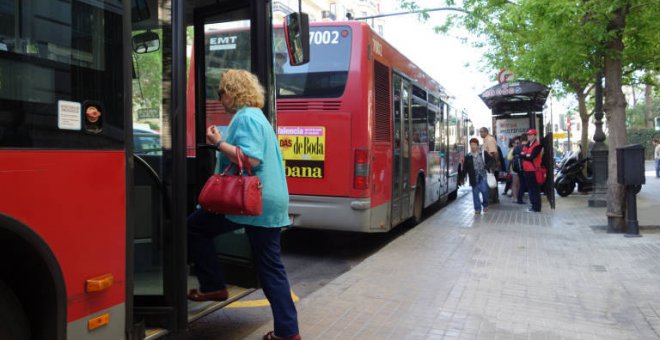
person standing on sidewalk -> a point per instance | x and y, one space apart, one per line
490 146
515 166
475 167
242 95
531 160
518 168
656 153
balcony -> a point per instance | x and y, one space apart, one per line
328 15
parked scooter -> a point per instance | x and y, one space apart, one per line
571 172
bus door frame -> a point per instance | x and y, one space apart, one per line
401 126
236 255
170 310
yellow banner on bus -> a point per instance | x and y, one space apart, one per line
303 150
302 143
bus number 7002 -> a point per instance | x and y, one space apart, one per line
324 37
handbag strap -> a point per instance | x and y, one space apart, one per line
242 163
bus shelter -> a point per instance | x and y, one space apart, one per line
516 107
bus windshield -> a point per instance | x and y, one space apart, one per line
326 73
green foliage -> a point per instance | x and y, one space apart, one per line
558 42
147 86
635 115
644 137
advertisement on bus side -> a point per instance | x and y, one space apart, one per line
303 150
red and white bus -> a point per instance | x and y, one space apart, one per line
93 217
368 139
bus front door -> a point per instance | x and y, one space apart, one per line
172 105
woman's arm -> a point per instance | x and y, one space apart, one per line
214 137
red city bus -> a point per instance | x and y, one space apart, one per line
93 217
368 139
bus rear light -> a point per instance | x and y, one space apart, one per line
361 169
99 283
98 321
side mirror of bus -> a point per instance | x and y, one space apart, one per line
296 34
146 42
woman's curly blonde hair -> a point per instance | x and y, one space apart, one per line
243 87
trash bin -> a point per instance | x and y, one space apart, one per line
630 172
630 165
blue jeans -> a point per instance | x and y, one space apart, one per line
203 227
533 189
657 168
481 187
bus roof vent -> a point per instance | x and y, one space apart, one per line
382 101
325 105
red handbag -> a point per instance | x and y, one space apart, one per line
232 193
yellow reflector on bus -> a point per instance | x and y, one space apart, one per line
98 321
99 283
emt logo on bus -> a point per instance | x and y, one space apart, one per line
303 150
222 43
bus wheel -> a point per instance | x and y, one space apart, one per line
418 209
14 323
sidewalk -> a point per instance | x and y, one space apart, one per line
507 274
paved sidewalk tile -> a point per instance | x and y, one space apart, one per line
507 274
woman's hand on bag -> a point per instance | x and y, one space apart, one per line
213 135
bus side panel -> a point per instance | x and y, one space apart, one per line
75 200
381 174
418 163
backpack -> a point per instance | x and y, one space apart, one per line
517 162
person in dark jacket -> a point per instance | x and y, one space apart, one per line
517 168
531 160
475 166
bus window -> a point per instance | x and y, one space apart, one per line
325 75
52 65
227 46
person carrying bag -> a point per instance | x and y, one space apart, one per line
249 142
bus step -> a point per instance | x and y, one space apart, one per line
197 310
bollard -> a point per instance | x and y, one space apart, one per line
631 214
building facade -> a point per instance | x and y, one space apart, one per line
331 10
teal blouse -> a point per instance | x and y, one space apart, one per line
251 131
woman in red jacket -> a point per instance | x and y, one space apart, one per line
531 160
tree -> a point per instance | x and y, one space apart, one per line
566 43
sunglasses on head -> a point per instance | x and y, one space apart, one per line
220 93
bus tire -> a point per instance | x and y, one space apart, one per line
418 208
13 321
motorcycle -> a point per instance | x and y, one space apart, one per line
571 173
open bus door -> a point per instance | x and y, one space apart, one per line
167 175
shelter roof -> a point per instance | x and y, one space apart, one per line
515 96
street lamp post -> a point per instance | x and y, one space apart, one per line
599 152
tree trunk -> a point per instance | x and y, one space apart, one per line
615 110
584 119
648 105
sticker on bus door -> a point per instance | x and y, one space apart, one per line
303 150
